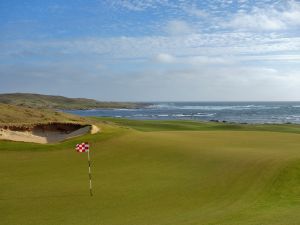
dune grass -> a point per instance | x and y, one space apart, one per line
18 115
59 102
175 173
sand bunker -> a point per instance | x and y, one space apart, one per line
46 133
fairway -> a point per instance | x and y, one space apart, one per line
156 173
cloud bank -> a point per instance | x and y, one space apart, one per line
161 50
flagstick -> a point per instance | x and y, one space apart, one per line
90 176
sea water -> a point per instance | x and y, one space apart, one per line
240 112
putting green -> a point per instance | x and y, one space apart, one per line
176 173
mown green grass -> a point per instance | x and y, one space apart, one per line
176 173
176 125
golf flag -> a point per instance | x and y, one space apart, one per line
83 147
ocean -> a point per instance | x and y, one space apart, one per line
239 112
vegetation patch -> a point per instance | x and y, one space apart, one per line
60 102
157 172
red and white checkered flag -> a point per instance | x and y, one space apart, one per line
83 147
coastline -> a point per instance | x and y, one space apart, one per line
230 112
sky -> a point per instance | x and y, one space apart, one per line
152 50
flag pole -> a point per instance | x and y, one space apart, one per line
90 175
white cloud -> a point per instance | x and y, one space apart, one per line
212 60
194 11
178 27
181 44
257 20
294 58
216 83
292 16
216 46
138 5
269 18
165 58
194 60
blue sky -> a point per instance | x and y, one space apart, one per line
152 50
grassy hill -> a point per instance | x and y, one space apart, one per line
158 173
10 114
60 102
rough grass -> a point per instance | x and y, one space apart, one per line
10 114
176 173
60 102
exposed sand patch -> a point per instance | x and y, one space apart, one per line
46 133
94 129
